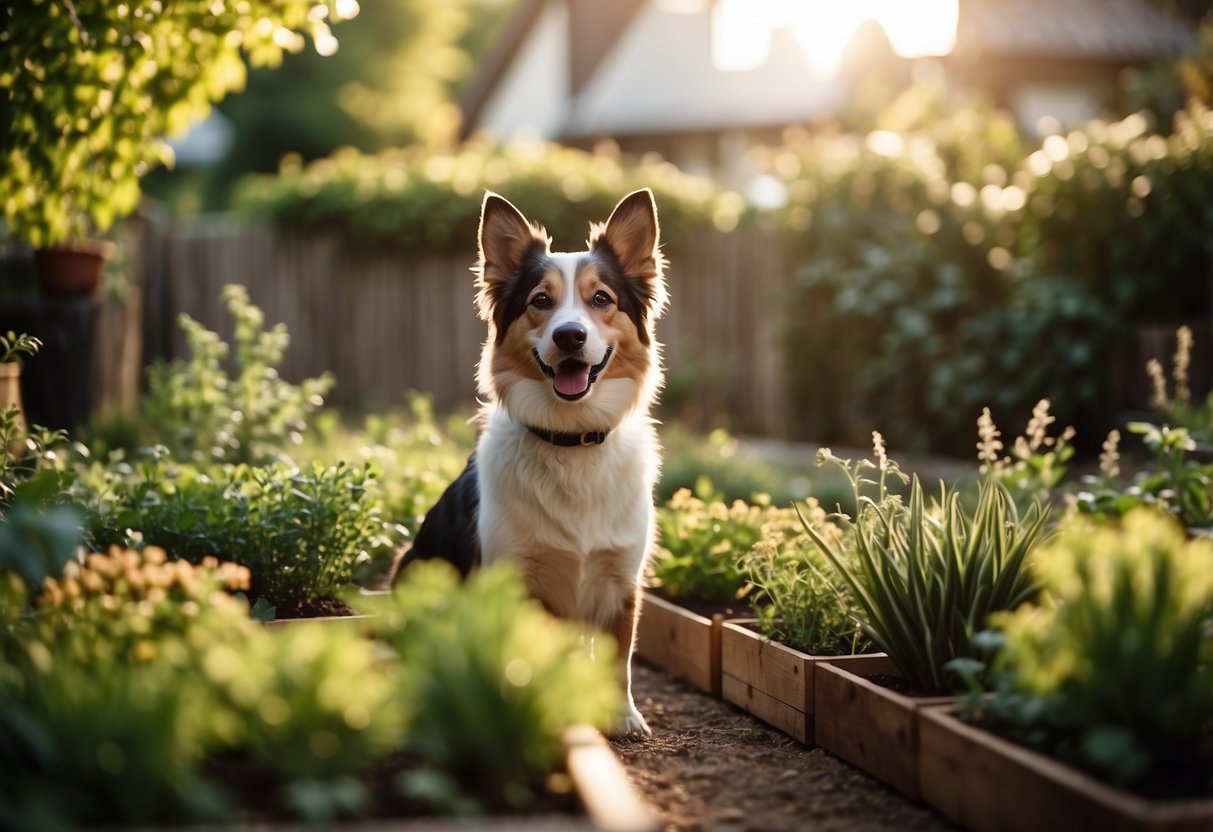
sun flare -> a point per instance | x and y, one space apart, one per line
741 29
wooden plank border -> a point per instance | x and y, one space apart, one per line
682 643
989 784
868 725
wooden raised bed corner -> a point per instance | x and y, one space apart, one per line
685 645
769 680
867 724
989 784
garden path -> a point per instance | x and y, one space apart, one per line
708 766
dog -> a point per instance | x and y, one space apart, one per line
561 481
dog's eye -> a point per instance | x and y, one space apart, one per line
541 301
601 300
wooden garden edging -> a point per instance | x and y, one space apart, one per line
869 725
769 680
685 645
989 784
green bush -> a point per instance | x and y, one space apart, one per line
300 531
1110 670
926 579
938 283
199 412
421 202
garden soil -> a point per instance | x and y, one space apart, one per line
709 766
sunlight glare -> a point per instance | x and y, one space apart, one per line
741 29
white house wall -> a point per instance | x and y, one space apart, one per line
531 100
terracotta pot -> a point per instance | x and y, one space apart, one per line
10 392
73 269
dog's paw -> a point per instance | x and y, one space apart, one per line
632 725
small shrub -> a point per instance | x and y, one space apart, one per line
300 531
493 682
201 413
1110 669
926 579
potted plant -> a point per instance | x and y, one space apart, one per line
100 86
1103 694
12 347
925 579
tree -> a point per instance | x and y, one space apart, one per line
92 87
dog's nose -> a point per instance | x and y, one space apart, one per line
569 337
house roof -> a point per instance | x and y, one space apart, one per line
1126 31
1101 30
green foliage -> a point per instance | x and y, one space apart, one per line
1172 483
91 88
301 531
926 579
421 202
200 412
14 345
493 682
1111 669
1037 462
999 276
790 587
702 540
415 454
1178 407
29 467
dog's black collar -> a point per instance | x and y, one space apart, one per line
570 440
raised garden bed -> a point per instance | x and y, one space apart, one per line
683 643
769 680
989 784
868 724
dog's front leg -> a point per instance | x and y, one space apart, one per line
623 628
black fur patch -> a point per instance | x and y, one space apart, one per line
634 294
509 298
449 531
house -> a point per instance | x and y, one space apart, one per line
699 81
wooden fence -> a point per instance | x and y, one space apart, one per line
385 324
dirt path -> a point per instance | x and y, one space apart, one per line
708 766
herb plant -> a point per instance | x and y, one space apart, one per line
14 345
200 412
492 681
792 591
926 578
703 539
1110 669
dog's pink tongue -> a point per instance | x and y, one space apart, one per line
572 382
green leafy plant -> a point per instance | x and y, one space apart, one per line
1110 669
926 578
1037 462
702 540
493 682
198 411
14 345
29 461
92 89
1179 409
1173 483
300 531
793 595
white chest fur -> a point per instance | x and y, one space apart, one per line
569 516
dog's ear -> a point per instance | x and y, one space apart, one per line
633 235
505 239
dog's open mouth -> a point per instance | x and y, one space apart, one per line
572 379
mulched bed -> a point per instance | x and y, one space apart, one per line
710 766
